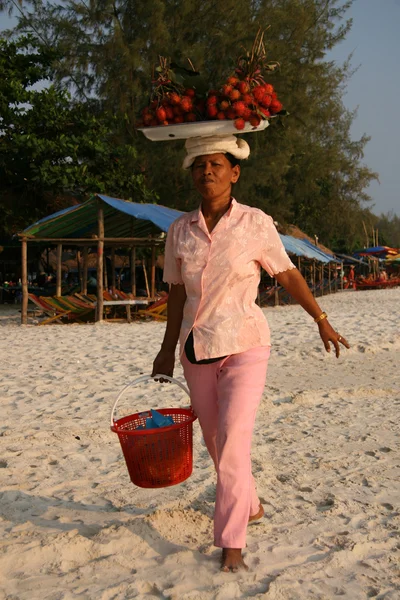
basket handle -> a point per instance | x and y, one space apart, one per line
141 380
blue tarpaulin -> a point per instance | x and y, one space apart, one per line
81 221
305 248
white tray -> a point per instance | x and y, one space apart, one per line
182 131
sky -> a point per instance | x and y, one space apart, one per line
374 90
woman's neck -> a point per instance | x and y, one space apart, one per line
214 209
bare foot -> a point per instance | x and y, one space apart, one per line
232 560
259 515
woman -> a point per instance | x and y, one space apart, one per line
212 263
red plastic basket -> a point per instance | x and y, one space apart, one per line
156 457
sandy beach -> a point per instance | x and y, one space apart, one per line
326 456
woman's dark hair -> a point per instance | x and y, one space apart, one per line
232 159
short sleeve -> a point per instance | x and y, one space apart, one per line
172 265
274 258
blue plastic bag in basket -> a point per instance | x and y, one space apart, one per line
157 420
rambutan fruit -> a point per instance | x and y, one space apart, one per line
247 113
226 89
177 111
212 110
239 108
190 92
266 100
240 123
161 114
255 120
153 123
186 104
247 99
212 100
169 112
230 113
269 89
275 106
179 119
174 98
264 111
232 80
258 93
274 95
243 87
234 95
224 105
190 117
221 115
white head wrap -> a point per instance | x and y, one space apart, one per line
216 144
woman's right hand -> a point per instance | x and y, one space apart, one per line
164 364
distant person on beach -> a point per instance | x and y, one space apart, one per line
213 257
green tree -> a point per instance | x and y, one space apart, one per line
310 172
54 151
388 226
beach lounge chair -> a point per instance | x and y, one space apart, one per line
157 311
55 313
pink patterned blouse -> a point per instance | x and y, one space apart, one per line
221 273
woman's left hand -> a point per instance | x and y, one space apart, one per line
328 335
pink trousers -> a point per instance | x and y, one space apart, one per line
225 396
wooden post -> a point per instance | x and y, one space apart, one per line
133 270
153 271
113 284
24 281
341 276
145 278
78 266
322 279
59 270
312 267
100 261
329 278
85 271
276 292
105 273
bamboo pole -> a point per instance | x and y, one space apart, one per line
59 271
322 279
100 261
276 294
153 271
133 270
24 281
85 270
329 278
145 278
366 234
105 274
341 276
125 241
78 266
313 275
113 283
